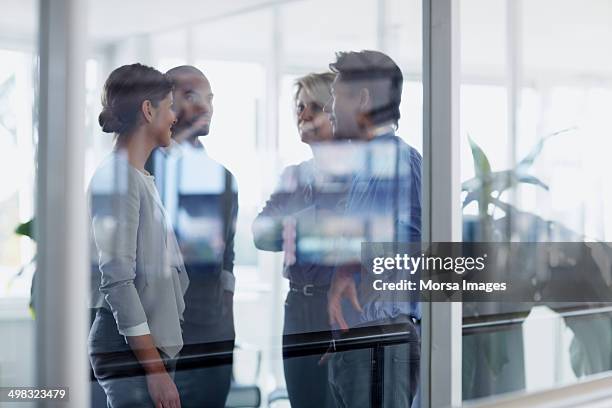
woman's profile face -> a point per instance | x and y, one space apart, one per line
313 124
163 120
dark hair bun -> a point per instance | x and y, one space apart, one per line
124 92
109 122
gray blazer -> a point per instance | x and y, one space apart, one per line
138 272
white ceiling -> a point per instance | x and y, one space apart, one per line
114 19
559 36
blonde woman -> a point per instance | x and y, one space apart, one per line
306 304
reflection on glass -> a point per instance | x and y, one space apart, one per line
138 278
366 97
18 146
211 187
296 204
201 199
534 171
362 184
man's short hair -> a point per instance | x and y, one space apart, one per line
176 73
379 74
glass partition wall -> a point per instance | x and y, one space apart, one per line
226 204
534 96
227 188
18 141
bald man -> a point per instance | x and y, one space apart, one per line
200 196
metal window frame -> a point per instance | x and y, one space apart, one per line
62 283
441 326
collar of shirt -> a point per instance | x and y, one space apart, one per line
383 130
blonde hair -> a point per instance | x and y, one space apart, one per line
317 86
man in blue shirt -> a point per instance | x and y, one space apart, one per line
365 111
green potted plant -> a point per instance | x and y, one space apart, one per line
26 229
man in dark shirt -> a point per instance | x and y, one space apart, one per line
200 196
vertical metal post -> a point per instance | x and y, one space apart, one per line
514 74
62 272
441 346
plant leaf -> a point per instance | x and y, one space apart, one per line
482 167
532 180
471 185
506 179
26 229
472 196
528 160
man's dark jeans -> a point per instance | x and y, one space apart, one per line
206 385
351 379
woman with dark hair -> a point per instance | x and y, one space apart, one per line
138 279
